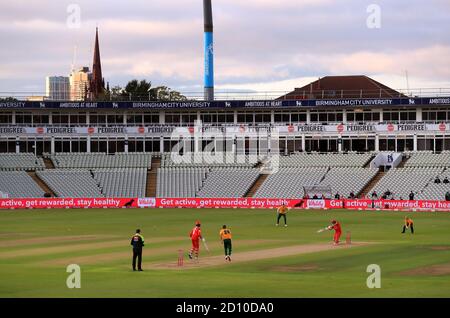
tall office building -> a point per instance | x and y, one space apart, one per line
79 84
57 88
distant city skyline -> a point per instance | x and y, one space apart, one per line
81 84
259 44
57 87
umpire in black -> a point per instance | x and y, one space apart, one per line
137 241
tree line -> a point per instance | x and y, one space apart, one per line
141 91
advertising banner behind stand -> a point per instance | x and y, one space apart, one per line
298 103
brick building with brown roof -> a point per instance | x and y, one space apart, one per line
353 86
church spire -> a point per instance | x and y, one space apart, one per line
97 78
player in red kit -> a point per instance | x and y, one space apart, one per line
196 236
336 226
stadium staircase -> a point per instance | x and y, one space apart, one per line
367 164
380 174
41 183
372 183
255 186
152 178
402 164
48 163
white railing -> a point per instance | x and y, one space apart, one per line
264 95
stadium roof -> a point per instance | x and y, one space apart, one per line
349 86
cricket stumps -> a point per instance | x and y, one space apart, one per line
180 257
348 238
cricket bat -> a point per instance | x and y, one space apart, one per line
206 245
321 230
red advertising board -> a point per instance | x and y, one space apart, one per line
259 203
223 202
43 203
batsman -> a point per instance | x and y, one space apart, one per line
336 226
196 236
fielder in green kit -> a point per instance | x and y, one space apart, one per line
225 236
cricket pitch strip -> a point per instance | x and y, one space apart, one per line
240 257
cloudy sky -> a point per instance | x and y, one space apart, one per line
259 44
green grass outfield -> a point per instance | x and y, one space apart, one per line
37 245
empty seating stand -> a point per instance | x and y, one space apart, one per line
179 182
20 161
18 184
228 182
428 159
230 175
351 159
348 180
225 160
289 182
418 175
220 175
436 191
343 172
125 182
102 160
401 181
75 183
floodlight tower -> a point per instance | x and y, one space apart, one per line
209 51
